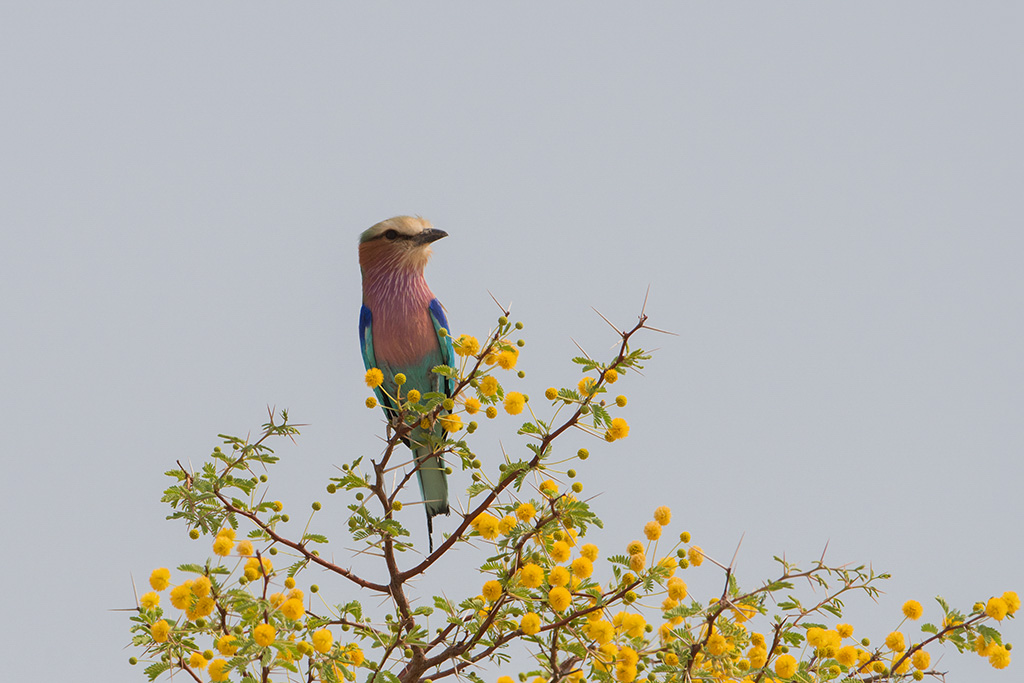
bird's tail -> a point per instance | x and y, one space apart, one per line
433 487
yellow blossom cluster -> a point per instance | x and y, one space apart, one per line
542 579
284 616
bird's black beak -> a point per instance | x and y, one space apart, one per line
428 236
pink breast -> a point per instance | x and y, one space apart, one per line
402 336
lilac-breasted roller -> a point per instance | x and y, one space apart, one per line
399 333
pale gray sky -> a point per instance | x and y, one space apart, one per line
824 199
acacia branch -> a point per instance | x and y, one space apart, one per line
278 538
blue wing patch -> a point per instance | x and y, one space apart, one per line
440 320
369 359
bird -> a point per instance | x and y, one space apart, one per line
400 331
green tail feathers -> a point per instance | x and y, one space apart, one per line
433 487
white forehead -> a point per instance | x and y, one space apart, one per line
403 225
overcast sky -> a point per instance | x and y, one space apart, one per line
825 200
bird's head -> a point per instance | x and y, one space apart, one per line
399 242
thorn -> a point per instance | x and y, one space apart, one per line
732 562
617 330
503 308
580 348
643 309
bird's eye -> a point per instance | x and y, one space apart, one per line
390 234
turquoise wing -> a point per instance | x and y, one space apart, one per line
440 320
369 360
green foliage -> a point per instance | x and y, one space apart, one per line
545 591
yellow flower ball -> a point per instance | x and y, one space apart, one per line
587 386
371 402
982 648
531 575
491 412
149 600
504 679
466 345
652 530
785 666
197 660
844 630
507 359
663 515
488 386
695 555
816 636
530 623
264 635
627 656
203 607
637 562
589 551
551 393
558 576
999 658
619 429
847 655
895 642
560 551
717 645
758 657
1012 602
677 588
743 613
355 655
292 608
506 525
487 525
374 378
160 578
996 608
450 423
160 630
912 610
323 640
181 596
222 546
600 631
413 396
218 670
244 548
201 587
582 567
400 379
472 406
921 660
620 401
634 547
525 511
227 645
611 375
559 599
491 591
514 402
